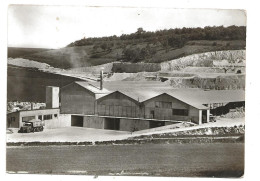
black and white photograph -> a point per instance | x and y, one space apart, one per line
125 91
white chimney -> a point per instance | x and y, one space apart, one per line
52 97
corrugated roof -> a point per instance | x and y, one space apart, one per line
139 91
144 90
198 96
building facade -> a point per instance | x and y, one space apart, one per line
51 118
93 108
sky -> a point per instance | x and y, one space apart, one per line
57 26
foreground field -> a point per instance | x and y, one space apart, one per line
205 160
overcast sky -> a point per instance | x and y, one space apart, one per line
57 26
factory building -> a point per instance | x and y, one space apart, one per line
128 105
131 106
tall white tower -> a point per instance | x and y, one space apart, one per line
52 97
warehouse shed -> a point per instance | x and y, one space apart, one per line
79 99
131 106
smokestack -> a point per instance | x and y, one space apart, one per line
101 79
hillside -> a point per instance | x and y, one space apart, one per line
29 84
83 56
15 52
142 46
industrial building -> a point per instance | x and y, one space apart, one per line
131 106
128 105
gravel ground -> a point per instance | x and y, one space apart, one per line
70 134
220 122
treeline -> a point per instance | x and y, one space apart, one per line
172 37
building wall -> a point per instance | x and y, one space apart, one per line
133 125
63 120
12 120
93 122
77 100
164 113
118 104
194 115
40 112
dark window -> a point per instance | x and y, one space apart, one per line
152 114
180 112
13 119
55 115
40 117
47 117
28 118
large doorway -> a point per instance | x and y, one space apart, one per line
204 116
155 124
77 121
112 123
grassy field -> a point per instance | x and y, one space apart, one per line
189 160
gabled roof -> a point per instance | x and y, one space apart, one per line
142 91
198 96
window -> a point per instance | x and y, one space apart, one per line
40 117
27 118
152 114
180 112
161 104
13 119
47 117
55 115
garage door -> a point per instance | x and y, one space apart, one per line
112 123
77 121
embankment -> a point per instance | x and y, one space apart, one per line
217 83
205 59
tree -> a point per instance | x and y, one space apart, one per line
140 30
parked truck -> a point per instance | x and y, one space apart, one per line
34 125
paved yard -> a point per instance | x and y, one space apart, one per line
79 134
71 134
